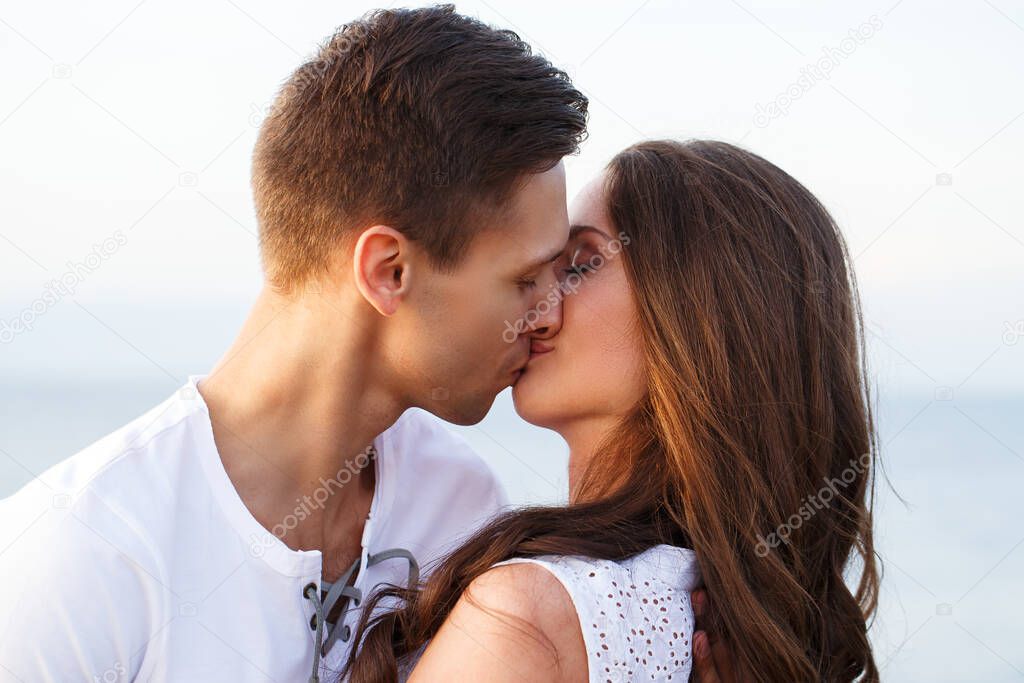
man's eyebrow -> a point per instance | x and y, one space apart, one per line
543 261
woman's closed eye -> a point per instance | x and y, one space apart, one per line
577 265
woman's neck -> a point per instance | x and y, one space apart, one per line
584 438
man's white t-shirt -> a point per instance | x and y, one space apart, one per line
136 559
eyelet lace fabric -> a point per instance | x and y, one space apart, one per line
635 615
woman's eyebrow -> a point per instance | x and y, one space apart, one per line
575 230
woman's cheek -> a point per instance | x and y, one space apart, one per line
612 333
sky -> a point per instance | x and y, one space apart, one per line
138 119
903 118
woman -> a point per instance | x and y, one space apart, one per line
708 378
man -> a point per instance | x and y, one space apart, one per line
410 198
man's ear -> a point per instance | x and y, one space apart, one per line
381 267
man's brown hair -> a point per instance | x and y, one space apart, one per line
424 119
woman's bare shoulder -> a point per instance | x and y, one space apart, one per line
515 622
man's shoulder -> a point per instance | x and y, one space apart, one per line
77 536
120 458
107 495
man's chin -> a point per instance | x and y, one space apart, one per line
465 413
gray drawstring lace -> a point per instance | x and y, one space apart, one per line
340 590
310 593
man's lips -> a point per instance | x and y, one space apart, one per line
536 348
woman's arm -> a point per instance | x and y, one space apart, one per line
514 623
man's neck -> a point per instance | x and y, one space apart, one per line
294 402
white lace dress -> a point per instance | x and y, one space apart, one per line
635 615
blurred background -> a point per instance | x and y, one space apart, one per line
129 258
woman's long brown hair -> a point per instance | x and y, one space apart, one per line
755 442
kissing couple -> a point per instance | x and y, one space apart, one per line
689 326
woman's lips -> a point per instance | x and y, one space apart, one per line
539 347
